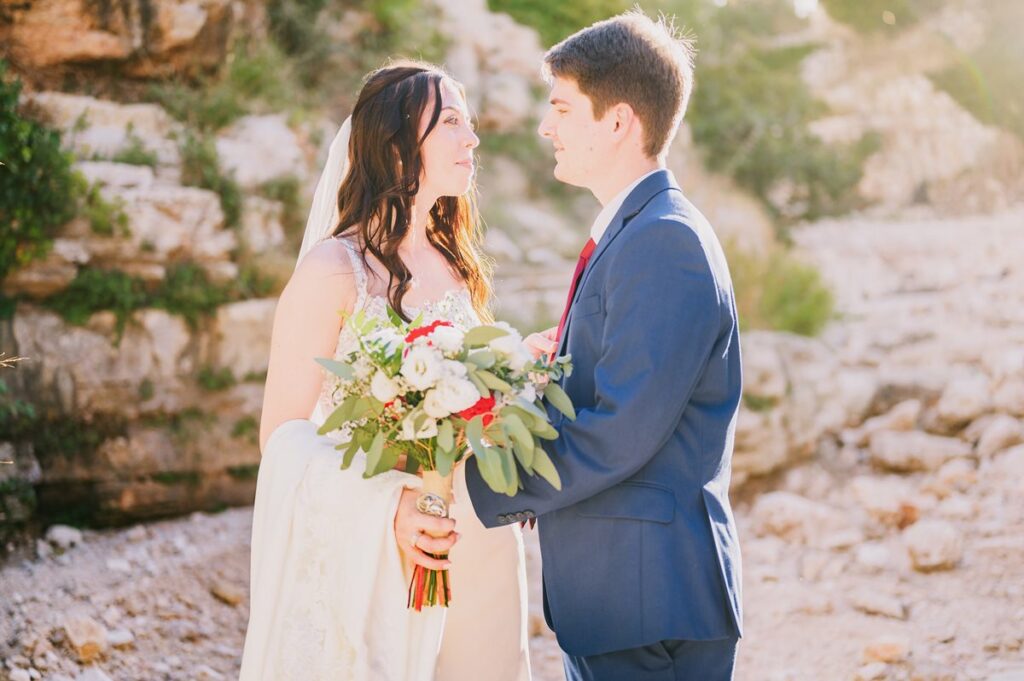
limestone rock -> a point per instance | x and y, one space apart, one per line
902 417
227 592
261 224
915 450
934 545
87 637
242 335
794 518
1002 432
178 222
257 149
122 175
91 126
875 602
63 537
888 500
1009 397
888 649
964 399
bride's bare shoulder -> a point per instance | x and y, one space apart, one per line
326 271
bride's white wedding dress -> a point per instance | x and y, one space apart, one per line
328 583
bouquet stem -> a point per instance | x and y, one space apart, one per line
432 587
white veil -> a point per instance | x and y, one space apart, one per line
323 216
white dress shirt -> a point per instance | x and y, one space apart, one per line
612 207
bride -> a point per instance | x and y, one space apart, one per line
393 224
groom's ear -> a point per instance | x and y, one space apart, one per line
623 119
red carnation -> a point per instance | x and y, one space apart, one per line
421 331
483 406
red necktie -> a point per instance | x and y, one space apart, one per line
581 264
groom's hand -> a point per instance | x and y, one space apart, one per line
542 343
412 526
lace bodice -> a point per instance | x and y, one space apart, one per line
455 306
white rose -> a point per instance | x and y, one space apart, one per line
383 387
447 338
456 394
508 344
422 367
453 369
428 429
434 405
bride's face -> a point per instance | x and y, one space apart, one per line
447 152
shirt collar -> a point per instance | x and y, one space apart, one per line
604 218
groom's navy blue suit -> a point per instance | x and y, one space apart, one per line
641 560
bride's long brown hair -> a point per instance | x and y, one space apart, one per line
375 199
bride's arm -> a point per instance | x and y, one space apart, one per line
306 326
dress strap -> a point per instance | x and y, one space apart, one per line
362 284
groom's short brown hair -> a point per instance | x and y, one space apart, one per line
634 59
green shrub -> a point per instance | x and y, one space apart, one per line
36 185
987 82
778 292
557 20
188 292
93 290
750 115
287 190
252 283
213 380
869 16
106 218
200 167
136 153
246 427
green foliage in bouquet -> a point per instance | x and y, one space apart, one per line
500 435
36 182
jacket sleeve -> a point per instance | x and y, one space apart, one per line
662 318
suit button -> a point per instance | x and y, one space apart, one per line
502 518
531 514
520 516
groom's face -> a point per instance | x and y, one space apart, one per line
580 140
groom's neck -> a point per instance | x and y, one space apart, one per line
619 173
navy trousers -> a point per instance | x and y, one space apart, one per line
663 661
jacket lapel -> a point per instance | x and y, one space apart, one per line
634 203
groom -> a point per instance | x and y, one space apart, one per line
640 550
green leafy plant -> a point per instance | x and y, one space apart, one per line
36 183
136 153
213 380
106 218
557 20
93 290
873 16
987 81
200 167
777 291
288 191
188 292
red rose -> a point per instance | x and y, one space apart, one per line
483 406
421 331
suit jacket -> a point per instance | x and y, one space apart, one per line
640 544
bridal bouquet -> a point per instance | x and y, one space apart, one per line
433 393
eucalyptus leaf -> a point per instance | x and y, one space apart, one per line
559 400
543 467
482 359
446 436
337 368
374 454
493 382
350 453
444 459
482 335
481 388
